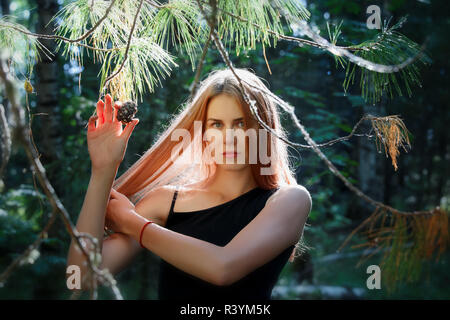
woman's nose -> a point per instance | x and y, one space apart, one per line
230 134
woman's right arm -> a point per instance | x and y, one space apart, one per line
92 217
118 250
107 142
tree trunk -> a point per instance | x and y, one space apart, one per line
5 11
47 88
5 7
371 166
47 128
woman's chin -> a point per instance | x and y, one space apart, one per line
234 165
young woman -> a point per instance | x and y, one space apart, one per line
225 220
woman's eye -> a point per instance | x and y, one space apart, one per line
241 124
218 124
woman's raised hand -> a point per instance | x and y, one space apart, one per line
107 141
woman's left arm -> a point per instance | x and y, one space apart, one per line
279 225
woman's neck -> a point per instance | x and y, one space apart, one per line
232 183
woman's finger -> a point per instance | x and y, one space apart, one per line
108 108
100 107
129 128
91 124
115 194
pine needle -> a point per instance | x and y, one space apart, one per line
409 240
392 132
391 48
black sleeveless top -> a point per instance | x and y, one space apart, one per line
219 225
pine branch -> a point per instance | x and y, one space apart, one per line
381 68
178 23
15 39
275 30
280 35
389 47
178 9
22 30
364 57
127 48
57 37
411 240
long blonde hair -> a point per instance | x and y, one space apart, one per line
163 163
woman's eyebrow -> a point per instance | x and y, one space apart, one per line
221 120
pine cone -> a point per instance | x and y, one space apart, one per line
126 113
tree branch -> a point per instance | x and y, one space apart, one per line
74 41
198 73
127 48
343 51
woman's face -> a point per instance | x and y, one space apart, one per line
225 131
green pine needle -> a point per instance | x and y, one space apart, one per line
245 34
21 49
389 48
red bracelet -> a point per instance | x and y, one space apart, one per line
142 230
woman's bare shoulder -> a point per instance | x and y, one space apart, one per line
291 193
156 203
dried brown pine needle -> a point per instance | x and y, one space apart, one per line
408 241
392 132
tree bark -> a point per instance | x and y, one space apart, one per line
47 88
5 7
371 166
5 11
47 128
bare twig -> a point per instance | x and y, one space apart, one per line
287 107
198 72
56 37
265 58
